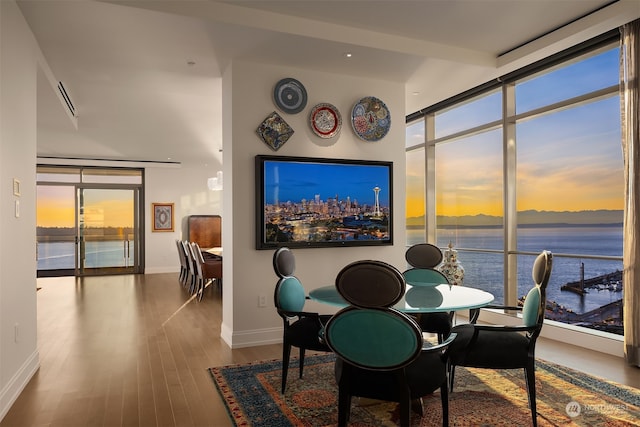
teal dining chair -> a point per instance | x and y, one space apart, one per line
423 259
302 329
507 347
380 351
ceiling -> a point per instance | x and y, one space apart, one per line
145 76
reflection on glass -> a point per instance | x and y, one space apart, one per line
415 192
56 232
479 111
571 80
414 134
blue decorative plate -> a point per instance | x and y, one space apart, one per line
290 95
370 119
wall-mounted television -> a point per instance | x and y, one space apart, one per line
304 202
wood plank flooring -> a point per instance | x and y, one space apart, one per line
133 351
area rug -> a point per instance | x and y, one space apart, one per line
482 397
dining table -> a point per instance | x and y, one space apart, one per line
420 297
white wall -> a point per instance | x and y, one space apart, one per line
251 86
186 187
18 85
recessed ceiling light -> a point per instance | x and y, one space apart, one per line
348 54
415 93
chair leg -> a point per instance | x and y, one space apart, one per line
452 371
301 361
530 375
286 352
417 407
444 395
344 406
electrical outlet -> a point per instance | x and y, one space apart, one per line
262 300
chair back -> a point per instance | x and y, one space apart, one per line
369 334
198 259
370 284
284 263
289 295
189 256
424 277
535 302
374 338
424 255
181 255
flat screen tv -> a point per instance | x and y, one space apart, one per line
304 202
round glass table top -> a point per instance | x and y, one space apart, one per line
420 298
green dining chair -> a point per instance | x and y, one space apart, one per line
380 351
507 347
302 329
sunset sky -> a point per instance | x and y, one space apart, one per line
566 161
103 208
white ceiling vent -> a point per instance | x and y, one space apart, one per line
67 99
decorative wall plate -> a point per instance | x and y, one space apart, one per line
325 120
370 119
290 95
274 131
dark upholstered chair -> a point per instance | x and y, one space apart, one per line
380 350
301 329
191 279
207 270
184 267
424 258
507 347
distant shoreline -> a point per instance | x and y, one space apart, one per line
490 226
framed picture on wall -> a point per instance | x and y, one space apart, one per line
162 216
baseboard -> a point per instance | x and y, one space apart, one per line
251 338
161 269
18 382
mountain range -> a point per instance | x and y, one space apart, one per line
530 218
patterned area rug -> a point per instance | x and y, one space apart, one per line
482 397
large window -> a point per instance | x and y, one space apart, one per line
89 221
528 164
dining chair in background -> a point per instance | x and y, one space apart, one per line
207 270
184 268
190 282
507 347
301 329
423 259
380 351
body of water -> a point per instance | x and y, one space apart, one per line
482 270
61 255
486 271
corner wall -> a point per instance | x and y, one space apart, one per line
19 358
250 87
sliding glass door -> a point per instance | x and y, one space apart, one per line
107 236
89 226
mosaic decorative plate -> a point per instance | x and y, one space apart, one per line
290 95
325 120
274 131
370 119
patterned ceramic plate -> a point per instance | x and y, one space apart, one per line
274 131
290 95
370 119
325 120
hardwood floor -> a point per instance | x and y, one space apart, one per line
133 351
